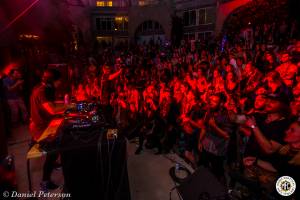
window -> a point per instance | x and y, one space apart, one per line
149 28
186 18
109 24
193 17
204 35
207 15
210 15
142 3
98 24
147 2
104 4
118 23
202 16
189 18
104 24
189 36
109 4
125 23
118 18
121 23
100 3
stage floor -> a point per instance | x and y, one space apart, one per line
148 173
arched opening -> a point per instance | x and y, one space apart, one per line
150 31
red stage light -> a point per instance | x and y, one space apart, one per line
9 67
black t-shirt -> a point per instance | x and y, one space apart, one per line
272 131
39 116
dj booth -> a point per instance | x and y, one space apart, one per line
93 154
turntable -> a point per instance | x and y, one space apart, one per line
84 115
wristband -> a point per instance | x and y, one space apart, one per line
253 126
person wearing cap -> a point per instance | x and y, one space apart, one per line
269 133
267 137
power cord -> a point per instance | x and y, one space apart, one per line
109 164
170 193
176 179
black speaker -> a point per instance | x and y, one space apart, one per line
202 185
93 166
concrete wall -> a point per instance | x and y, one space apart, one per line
191 4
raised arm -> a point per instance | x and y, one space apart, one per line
115 75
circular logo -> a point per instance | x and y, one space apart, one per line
286 186
5 194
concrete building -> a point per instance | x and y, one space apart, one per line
145 20
127 20
198 18
123 20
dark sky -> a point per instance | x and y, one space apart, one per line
44 15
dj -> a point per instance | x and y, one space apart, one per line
43 109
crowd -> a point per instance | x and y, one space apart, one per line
231 106
218 107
